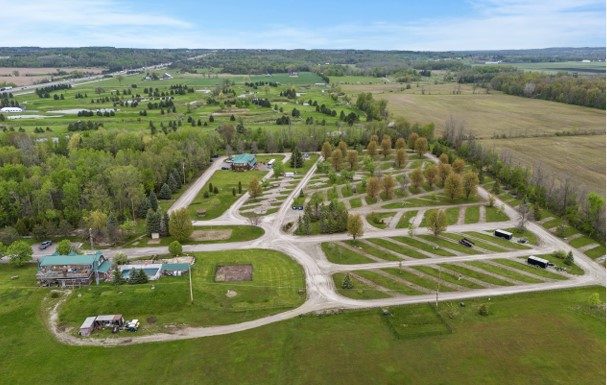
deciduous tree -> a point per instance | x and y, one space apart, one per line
373 187
454 186
19 253
437 221
421 146
470 183
180 225
401 158
355 225
254 188
388 183
417 178
431 172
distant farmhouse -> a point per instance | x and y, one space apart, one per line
244 162
73 269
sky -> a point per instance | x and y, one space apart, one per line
428 25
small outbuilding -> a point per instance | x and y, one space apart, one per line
108 320
87 326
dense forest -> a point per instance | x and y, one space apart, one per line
262 61
50 188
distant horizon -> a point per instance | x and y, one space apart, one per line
432 25
309 49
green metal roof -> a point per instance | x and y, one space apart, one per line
175 267
104 267
243 158
69 259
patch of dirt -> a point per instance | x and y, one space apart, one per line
230 273
211 235
231 294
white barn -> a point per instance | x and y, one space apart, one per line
11 109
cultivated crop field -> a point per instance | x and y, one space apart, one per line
520 119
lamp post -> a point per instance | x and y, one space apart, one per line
91 236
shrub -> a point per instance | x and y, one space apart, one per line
175 248
483 310
120 259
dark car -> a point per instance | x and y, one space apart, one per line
45 244
522 240
297 207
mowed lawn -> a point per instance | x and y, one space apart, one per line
225 181
276 286
546 338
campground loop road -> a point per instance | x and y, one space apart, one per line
320 289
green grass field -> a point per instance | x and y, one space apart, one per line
225 181
351 347
275 287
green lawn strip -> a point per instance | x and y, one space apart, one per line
346 191
596 252
472 214
398 248
452 214
552 223
493 214
225 181
448 277
376 219
479 243
372 250
567 231
416 279
277 285
575 269
531 269
423 246
581 241
530 236
475 274
359 291
355 203
387 282
510 245
338 254
240 233
405 219
505 272
441 242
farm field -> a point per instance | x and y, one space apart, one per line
585 157
512 116
587 68
518 332
23 76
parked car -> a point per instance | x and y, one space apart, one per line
465 242
45 244
297 207
133 325
522 240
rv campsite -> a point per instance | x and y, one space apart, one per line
330 241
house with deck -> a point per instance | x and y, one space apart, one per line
73 269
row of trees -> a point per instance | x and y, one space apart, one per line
584 210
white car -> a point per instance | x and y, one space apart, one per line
133 325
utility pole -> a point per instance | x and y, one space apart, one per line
91 236
438 286
191 291
183 171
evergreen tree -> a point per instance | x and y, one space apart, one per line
347 282
143 208
239 187
165 192
112 227
173 184
117 276
296 158
153 201
152 222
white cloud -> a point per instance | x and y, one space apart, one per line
493 24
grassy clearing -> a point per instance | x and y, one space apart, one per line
368 248
277 285
493 214
359 291
398 248
505 272
581 241
225 181
405 219
531 269
472 215
355 203
449 245
424 246
239 233
339 254
396 287
462 269
379 220
510 245
596 252
416 279
519 332
560 263
448 277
